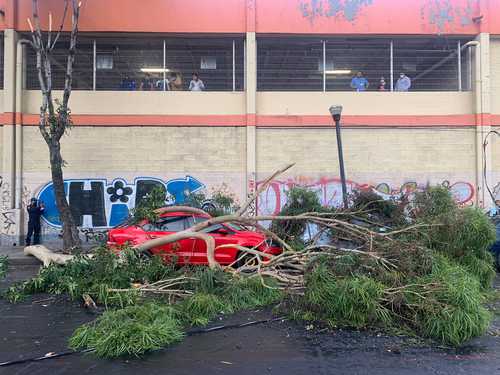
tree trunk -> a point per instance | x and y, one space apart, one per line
71 238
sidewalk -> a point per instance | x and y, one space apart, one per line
16 256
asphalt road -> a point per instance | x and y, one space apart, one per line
42 325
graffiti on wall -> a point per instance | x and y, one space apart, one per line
349 9
329 191
95 203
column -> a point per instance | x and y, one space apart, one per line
251 97
483 120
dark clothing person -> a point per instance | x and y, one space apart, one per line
35 211
127 84
147 84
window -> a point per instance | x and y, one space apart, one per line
289 64
82 70
139 63
297 63
167 224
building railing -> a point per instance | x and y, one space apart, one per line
147 64
363 64
155 63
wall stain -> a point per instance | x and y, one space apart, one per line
348 9
443 14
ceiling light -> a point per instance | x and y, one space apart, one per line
154 70
338 71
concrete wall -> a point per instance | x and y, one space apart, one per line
145 102
387 160
212 154
366 103
198 159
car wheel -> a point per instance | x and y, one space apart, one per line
146 254
248 259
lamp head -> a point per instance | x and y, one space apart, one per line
336 112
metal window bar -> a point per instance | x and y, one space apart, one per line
392 64
459 65
164 83
94 68
324 65
234 65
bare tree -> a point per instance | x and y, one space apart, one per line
55 115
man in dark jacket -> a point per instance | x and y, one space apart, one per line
35 210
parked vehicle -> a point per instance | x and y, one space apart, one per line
495 248
191 251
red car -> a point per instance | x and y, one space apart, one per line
191 251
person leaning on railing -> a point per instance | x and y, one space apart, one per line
196 83
359 83
403 83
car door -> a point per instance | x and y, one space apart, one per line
222 236
182 250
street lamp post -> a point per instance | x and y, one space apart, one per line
336 112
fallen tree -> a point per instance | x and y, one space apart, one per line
419 267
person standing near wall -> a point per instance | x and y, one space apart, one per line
35 211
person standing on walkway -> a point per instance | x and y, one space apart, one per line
35 210
359 83
403 83
196 83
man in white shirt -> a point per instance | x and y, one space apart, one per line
196 83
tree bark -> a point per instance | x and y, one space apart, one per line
71 238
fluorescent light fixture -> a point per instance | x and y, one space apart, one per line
154 70
338 71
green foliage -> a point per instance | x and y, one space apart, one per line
353 301
384 211
94 276
452 311
130 331
433 202
218 292
463 235
299 200
221 202
147 206
4 265
200 308
215 292
436 284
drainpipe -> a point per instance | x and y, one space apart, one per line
18 124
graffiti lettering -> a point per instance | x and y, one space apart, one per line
329 191
96 204
94 235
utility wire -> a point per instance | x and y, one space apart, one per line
188 333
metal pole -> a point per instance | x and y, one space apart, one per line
392 64
459 65
341 163
234 66
164 65
324 66
245 65
94 66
